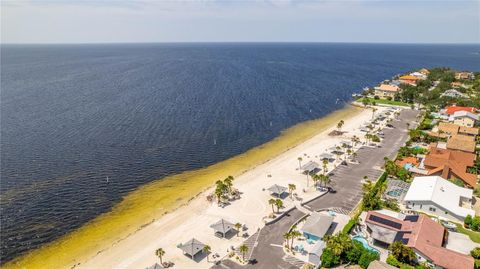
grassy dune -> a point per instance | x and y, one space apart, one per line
152 200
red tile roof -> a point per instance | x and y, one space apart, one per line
452 109
425 236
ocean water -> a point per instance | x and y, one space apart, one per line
82 125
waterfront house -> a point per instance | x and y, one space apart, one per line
386 90
439 197
419 75
464 75
464 118
316 226
425 236
424 71
452 93
409 79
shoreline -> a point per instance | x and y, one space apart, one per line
140 208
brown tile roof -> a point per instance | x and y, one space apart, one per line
468 130
452 129
450 162
388 88
425 236
404 161
462 142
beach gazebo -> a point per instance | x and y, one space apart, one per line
277 190
192 247
309 167
222 227
327 156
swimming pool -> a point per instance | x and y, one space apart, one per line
365 244
394 193
407 166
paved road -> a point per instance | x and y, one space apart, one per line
346 180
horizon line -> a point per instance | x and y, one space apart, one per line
245 42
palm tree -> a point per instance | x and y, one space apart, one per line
325 168
291 188
272 202
206 249
373 112
354 155
243 249
294 234
160 252
238 226
306 173
228 183
315 179
299 162
340 125
278 204
287 237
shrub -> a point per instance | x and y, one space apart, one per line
475 253
366 258
475 223
351 223
402 253
468 221
393 261
329 259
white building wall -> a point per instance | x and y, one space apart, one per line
432 209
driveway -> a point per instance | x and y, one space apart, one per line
347 181
460 243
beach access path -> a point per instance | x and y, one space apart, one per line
194 219
267 251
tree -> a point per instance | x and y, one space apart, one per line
402 253
228 182
278 204
287 237
243 249
299 162
291 188
475 253
294 234
272 202
366 258
468 221
340 125
365 102
373 111
329 259
206 249
475 223
325 166
160 252
238 226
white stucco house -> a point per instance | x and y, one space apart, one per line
436 196
464 118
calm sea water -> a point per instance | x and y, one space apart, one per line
74 115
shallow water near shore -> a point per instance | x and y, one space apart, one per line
151 201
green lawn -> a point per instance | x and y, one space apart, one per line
385 101
474 236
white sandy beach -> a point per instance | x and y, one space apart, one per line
194 219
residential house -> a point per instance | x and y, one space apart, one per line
452 109
419 75
424 71
457 85
464 75
409 79
452 129
448 164
464 118
453 94
425 236
462 142
436 196
386 90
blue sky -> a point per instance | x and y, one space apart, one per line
88 21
